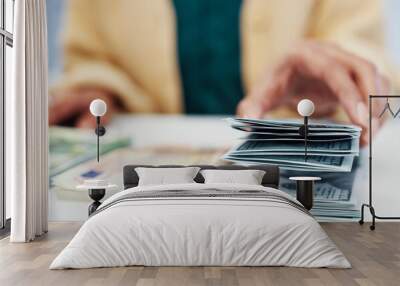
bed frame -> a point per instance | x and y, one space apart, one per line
270 179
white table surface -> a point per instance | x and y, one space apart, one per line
214 132
160 130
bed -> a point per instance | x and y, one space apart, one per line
198 224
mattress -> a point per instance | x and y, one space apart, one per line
201 225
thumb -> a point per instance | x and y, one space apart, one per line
250 108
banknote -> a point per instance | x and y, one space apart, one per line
323 163
341 147
293 131
333 195
330 147
260 137
113 163
290 128
69 147
294 123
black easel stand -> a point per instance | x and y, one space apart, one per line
370 205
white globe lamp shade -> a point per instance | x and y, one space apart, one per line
305 107
98 107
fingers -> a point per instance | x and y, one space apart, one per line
369 81
339 79
250 108
308 60
349 95
366 80
366 74
317 65
349 80
316 91
363 72
267 95
74 104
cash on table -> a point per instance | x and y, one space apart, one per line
70 147
331 154
330 148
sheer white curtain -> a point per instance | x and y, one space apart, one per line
27 124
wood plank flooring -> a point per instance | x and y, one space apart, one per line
375 257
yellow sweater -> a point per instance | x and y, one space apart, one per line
129 47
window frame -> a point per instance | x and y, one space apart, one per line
6 39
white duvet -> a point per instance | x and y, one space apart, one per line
200 231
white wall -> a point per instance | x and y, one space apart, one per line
392 33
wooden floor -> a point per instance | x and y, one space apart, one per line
375 257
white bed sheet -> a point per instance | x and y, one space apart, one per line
206 231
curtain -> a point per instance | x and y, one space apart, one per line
27 124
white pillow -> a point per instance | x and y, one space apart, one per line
248 177
164 176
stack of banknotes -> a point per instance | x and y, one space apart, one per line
332 152
330 148
335 198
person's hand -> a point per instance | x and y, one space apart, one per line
323 73
73 106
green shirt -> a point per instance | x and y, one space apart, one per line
209 55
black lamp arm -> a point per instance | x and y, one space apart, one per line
305 136
100 131
303 131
